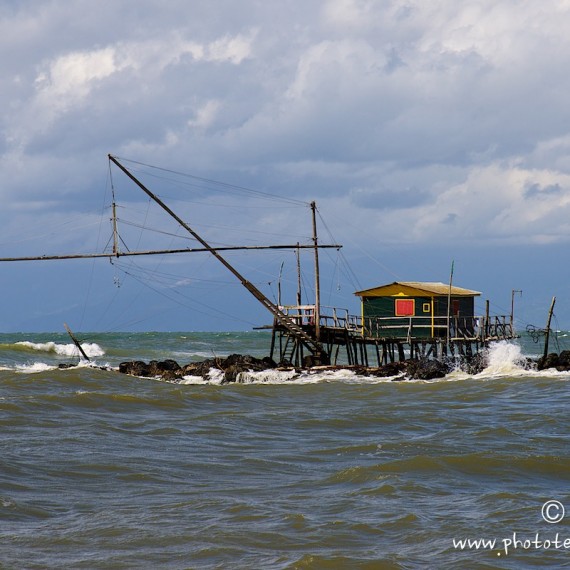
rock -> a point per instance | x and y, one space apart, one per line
551 361
134 368
559 361
563 361
169 369
235 364
198 368
425 369
165 368
390 369
168 364
474 364
311 360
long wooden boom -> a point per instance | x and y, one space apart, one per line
160 252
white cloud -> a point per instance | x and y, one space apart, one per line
501 203
232 49
80 79
70 78
348 13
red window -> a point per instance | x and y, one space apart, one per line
455 307
405 307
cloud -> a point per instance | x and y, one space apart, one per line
423 123
388 199
532 190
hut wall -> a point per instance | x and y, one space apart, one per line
395 317
398 320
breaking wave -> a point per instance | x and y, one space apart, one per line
505 358
91 349
34 368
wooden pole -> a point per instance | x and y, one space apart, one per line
76 342
547 332
115 232
298 254
449 301
279 285
317 276
513 308
159 252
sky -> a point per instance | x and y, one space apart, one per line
428 133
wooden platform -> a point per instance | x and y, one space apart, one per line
345 339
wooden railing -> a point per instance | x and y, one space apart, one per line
405 328
332 317
454 328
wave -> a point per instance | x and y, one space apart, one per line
91 349
495 371
34 368
271 376
467 464
504 360
505 357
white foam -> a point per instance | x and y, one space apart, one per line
193 380
267 376
314 376
34 368
91 349
215 376
504 358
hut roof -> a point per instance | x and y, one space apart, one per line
415 288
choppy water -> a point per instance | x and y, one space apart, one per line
100 470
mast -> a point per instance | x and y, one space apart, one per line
513 308
115 232
313 344
298 255
317 276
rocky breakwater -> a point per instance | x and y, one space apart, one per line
560 362
231 367
236 364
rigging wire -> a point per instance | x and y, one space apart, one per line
108 184
184 304
211 226
366 253
225 185
145 227
537 333
350 273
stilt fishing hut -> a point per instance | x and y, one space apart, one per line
413 309
417 319
397 321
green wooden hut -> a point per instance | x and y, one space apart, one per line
413 309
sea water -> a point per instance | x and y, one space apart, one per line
322 470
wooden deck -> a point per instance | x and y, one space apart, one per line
348 339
